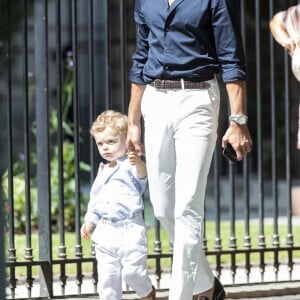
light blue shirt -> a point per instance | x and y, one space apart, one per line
116 193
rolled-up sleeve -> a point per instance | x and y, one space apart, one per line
140 55
228 41
92 217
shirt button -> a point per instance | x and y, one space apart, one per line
168 50
166 68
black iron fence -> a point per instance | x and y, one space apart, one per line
62 63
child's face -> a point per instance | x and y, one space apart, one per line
110 146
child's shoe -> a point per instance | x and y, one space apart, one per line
151 296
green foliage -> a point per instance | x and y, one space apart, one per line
68 154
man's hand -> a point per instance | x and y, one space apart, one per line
239 138
237 135
133 141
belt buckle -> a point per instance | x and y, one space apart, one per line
155 83
159 84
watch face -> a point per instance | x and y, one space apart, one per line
242 120
239 119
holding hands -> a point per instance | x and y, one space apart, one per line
136 161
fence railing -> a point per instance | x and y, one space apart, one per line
63 62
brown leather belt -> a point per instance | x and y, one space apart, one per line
179 84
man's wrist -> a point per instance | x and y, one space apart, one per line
240 119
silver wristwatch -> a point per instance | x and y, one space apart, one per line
239 119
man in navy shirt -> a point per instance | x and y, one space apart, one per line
181 45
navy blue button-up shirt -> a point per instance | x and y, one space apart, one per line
192 39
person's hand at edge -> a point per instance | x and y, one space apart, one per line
239 138
133 141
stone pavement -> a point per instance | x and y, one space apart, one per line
267 291
278 291
281 291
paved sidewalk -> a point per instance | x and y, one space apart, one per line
268 291
278 291
284 288
284 291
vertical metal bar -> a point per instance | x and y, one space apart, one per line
95 269
261 237
62 249
78 247
3 114
92 108
157 250
232 196
4 67
123 78
290 237
11 250
2 220
43 144
232 241
10 146
107 46
28 251
247 238
275 241
2 255
92 117
218 240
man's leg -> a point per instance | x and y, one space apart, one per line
195 135
169 116
160 156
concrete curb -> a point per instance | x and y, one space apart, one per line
263 290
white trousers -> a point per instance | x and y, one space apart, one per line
180 137
121 252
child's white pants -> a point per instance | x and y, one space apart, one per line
121 252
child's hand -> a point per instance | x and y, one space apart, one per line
85 229
133 158
136 161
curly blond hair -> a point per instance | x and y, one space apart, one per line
116 121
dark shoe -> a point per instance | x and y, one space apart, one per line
219 292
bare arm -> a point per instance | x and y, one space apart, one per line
134 120
280 33
237 135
